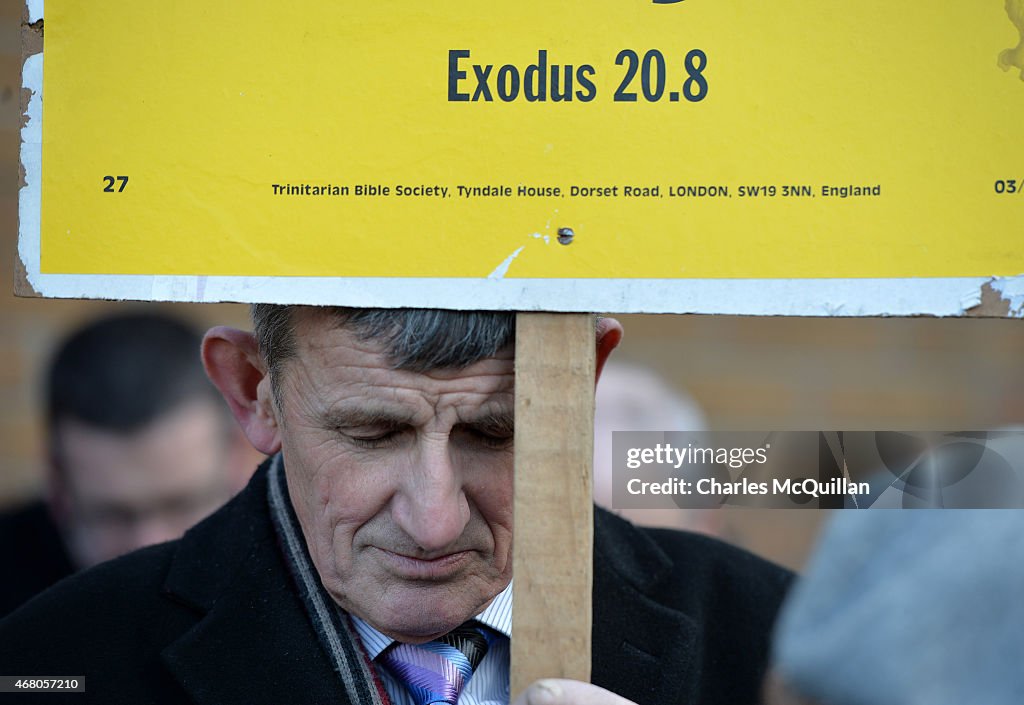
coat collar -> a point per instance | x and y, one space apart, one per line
253 642
636 638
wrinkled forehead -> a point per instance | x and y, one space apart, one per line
333 354
321 332
322 337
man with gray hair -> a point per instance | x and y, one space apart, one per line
370 559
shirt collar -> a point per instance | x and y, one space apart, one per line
497 616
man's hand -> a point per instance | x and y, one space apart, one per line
559 691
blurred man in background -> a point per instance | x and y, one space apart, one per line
140 448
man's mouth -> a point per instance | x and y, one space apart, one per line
439 567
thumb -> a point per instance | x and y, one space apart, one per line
560 691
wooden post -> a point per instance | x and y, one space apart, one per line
553 544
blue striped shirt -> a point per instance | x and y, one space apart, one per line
490 682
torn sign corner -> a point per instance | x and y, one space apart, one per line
22 285
35 10
1011 289
999 297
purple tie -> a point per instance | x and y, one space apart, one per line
437 671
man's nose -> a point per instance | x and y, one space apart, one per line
431 506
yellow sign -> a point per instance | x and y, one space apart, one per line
663 140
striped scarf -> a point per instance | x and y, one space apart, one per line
331 623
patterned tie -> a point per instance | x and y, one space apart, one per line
437 671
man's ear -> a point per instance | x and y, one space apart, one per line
234 365
609 334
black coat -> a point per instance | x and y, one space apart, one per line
214 619
32 556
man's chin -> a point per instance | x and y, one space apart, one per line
425 613
420 628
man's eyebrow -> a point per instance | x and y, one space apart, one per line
358 417
497 422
